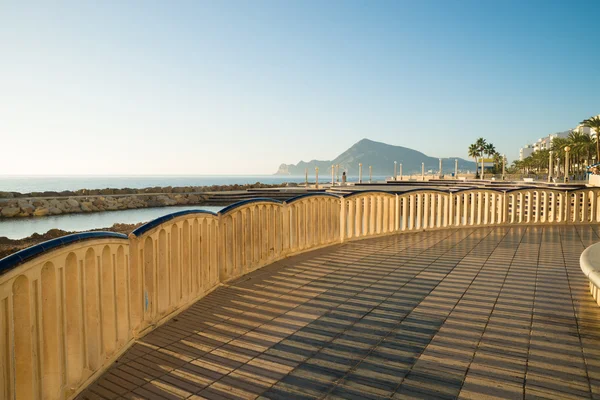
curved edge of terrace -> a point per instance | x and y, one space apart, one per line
590 265
156 222
13 260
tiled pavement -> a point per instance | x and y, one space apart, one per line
497 312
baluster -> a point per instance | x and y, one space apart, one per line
413 215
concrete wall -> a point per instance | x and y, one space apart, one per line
69 307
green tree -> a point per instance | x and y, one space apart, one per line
594 123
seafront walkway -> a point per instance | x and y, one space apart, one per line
500 311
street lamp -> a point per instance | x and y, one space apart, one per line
456 169
370 174
550 166
567 149
395 173
503 166
316 177
332 175
359 172
400 172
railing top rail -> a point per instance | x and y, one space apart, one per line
303 196
246 202
156 222
367 192
13 260
544 189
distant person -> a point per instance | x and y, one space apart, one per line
344 178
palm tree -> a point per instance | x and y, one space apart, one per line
558 147
475 153
481 145
594 123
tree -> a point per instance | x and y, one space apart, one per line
481 145
474 152
594 123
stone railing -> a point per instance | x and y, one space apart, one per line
71 306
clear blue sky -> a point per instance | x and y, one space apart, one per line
238 87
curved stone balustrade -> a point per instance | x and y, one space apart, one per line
69 307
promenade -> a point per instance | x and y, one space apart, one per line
457 313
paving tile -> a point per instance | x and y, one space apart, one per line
475 313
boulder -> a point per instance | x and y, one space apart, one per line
10 211
41 212
86 206
73 203
55 211
26 208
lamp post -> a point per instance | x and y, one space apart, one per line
423 171
456 169
359 172
306 177
567 149
395 173
400 172
316 177
550 166
503 166
370 174
332 175
440 170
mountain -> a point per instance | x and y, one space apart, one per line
381 157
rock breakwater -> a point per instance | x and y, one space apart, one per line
39 207
39 204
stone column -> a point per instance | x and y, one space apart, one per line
456 169
400 172
423 171
316 177
359 172
550 166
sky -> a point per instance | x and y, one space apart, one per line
239 87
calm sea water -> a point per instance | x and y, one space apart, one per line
26 184
17 228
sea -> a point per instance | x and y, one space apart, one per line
28 184
18 228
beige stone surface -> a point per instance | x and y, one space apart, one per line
480 313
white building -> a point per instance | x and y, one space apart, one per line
525 152
545 143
